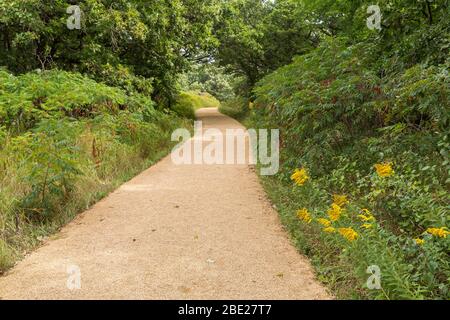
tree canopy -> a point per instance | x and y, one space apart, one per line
257 37
151 39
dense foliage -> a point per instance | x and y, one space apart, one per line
65 141
190 101
341 122
151 39
364 118
29 98
257 37
211 78
82 110
365 115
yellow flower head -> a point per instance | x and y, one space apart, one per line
304 215
329 230
419 241
384 169
438 232
340 200
367 225
324 222
348 233
334 212
366 216
300 176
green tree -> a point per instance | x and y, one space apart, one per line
154 39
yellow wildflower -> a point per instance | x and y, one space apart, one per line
438 232
334 212
384 169
367 216
340 200
304 215
324 222
419 241
367 225
300 176
348 233
329 230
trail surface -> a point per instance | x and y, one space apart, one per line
173 232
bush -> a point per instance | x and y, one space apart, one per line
121 77
338 118
26 99
188 102
237 108
66 141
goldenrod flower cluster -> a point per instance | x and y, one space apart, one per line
348 233
366 216
419 241
438 232
304 215
334 212
384 169
329 230
340 200
324 222
300 176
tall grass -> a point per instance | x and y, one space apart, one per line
188 102
60 155
381 143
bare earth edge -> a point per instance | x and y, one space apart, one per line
173 232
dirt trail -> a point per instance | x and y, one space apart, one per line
173 232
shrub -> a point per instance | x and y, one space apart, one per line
338 118
237 108
28 98
188 102
66 141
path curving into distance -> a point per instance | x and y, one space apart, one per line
172 232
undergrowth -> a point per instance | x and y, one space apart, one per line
66 142
364 175
188 102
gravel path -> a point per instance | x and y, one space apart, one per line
173 232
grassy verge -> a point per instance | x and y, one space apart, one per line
65 143
237 108
333 271
364 170
28 215
345 232
188 102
